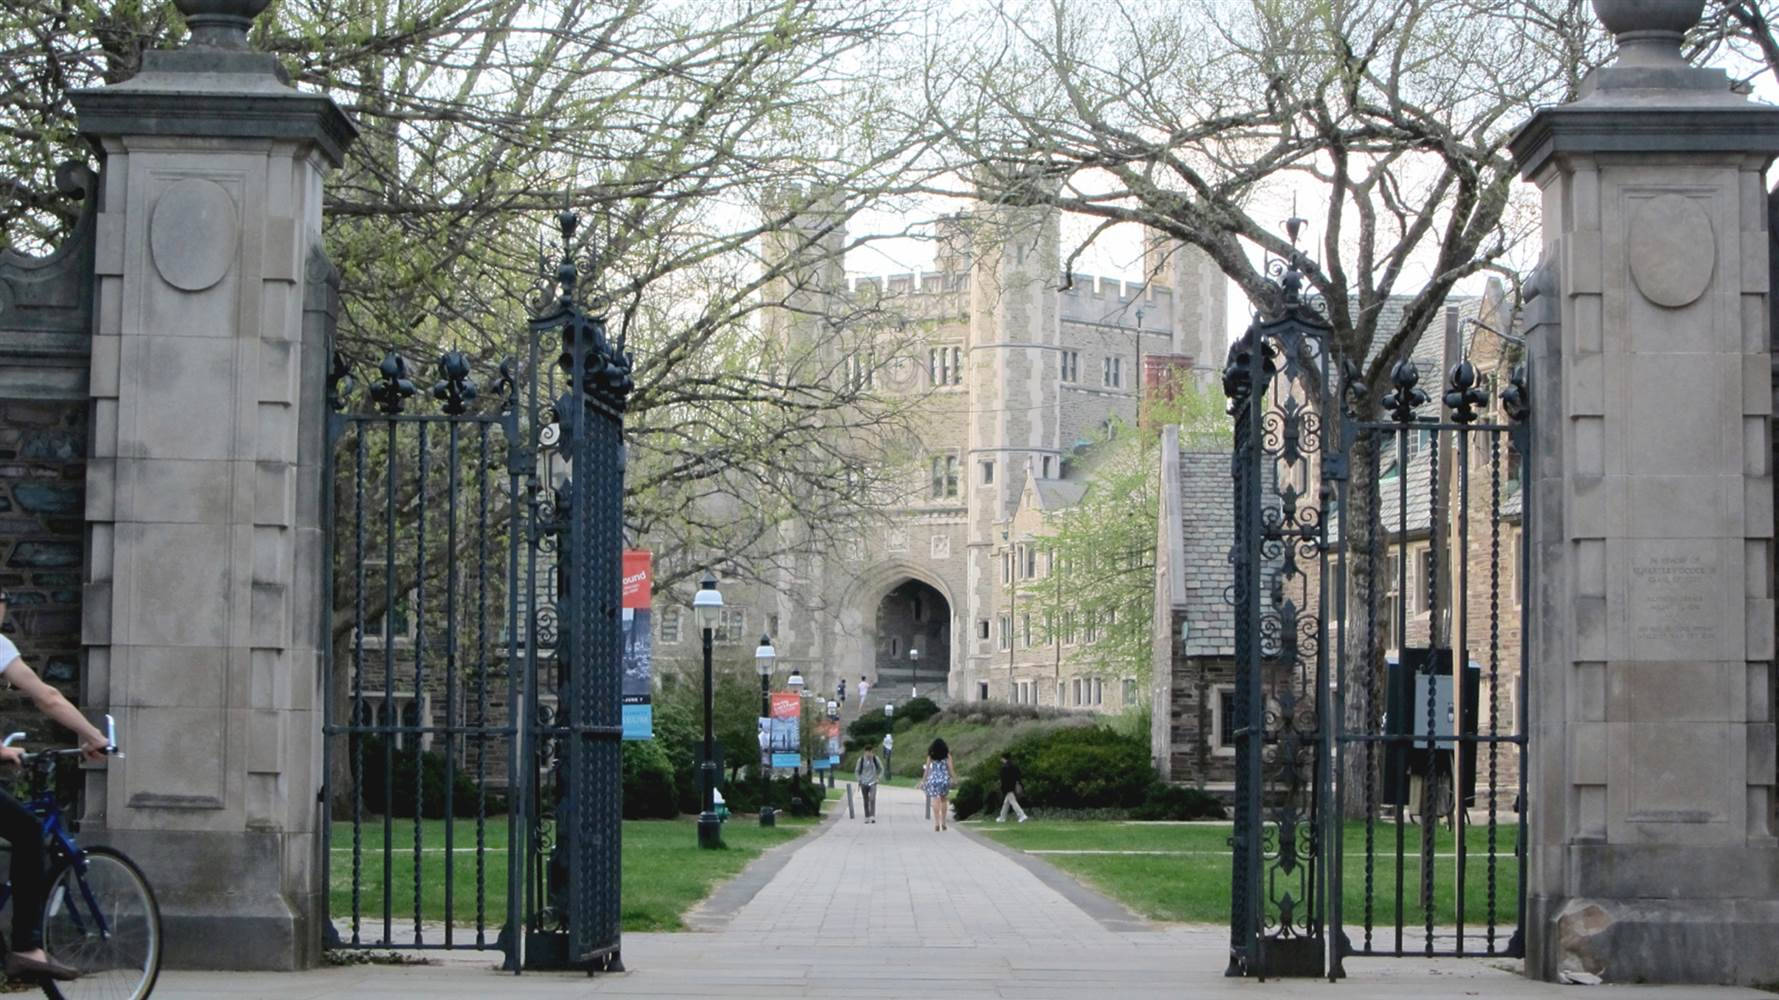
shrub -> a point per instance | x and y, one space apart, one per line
429 774
1174 802
798 796
1092 768
1088 767
916 710
650 791
867 730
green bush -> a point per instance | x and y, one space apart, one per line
1089 767
428 772
650 791
1174 802
868 730
678 734
798 796
1092 768
916 710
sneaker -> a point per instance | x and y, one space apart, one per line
1022 819
1000 819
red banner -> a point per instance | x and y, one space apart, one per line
639 578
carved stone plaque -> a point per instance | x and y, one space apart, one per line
191 234
896 540
1672 250
1674 600
941 547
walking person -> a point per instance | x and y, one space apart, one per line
936 779
1009 789
864 689
870 771
22 829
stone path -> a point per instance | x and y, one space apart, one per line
896 910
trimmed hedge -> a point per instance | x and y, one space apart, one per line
798 796
1092 768
428 772
650 790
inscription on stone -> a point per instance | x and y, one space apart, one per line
1674 601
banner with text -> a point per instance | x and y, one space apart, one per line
782 737
639 667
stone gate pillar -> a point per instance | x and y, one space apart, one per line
202 617
1652 854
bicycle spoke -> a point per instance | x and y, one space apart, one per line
103 922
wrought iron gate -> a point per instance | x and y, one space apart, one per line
472 687
1361 565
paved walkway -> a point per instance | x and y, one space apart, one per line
895 910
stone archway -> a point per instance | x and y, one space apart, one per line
912 637
863 650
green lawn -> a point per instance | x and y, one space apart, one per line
1191 883
664 871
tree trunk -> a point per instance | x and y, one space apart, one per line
1363 685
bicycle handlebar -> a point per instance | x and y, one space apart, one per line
111 747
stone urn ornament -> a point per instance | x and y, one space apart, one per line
220 24
1649 31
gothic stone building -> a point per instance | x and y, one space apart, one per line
1012 378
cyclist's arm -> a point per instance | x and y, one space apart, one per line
50 702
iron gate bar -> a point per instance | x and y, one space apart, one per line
1292 728
391 425
1458 739
1431 586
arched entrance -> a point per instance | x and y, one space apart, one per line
912 637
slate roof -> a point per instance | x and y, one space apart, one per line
1207 503
1059 493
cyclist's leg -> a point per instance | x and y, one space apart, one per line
23 832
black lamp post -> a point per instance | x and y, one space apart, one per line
707 607
763 658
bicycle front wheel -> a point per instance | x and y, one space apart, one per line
101 917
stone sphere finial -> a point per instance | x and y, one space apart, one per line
220 24
1649 31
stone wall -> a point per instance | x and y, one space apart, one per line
43 447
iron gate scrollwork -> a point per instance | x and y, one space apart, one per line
573 883
1278 382
472 699
1380 665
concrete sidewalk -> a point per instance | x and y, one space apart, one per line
894 909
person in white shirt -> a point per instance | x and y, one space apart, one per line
22 830
864 689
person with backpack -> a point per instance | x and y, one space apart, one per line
1009 789
870 772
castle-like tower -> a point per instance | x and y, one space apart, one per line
1011 376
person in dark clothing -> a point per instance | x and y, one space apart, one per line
22 830
1009 789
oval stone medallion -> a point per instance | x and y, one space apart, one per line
192 234
1673 250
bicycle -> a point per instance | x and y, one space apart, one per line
99 913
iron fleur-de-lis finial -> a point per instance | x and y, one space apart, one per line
454 388
1402 401
340 381
393 386
1516 399
1463 394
